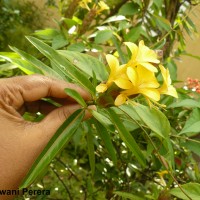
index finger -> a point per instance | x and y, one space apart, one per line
34 87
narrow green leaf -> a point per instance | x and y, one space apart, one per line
128 195
103 36
37 63
57 142
7 66
63 64
191 189
115 18
105 136
162 22
77 47
188 103
103 120
90 145
86 63
59 41
127 137
25 66
76 96
9 55
46 34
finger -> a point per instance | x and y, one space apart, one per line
31 88
37 106
56 118
42 106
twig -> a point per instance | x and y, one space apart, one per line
68 168
64 185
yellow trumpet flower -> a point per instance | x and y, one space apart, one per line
84 4
142 55
167 88
140 81
102 6
116 72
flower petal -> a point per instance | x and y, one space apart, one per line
120 99
147 78
123 83
168 90
132 75
150 93
165 75
101 88
113 63
148 66
145 54
133 48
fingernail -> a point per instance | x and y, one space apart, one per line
92 107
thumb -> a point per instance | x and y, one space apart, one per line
50 124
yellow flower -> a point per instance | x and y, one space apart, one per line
103 6
142 55
167 88
140 81
116 72
161 175
84 4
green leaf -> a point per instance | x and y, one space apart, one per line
63 64
192 130
191 189
193 146
105 136
37 63
159 44
158 3
9 55
129 9
127 137
188 103
7 66
128 195
57 142
47 34
171 65
103 120
90 145
192 125
103 36
162 22
154 119
134 34
59 41
24 65
115 18
76 96
78 47
86 63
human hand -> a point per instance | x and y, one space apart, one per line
22 141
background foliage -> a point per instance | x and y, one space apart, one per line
101 159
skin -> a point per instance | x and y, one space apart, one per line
22 141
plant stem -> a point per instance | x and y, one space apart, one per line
64 185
